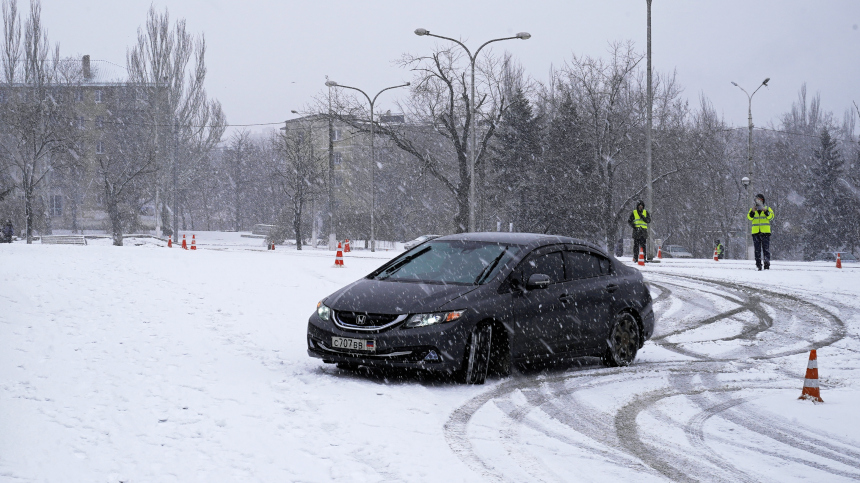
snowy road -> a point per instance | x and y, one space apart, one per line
713 399
146 364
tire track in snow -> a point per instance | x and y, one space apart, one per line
624 450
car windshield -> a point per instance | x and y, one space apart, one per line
456 262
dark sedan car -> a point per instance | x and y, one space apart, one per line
475 303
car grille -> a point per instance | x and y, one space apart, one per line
364 320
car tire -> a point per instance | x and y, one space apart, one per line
476 360
623 341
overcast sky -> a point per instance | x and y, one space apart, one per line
267 57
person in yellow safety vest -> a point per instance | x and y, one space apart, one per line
639 220
760 216
719 250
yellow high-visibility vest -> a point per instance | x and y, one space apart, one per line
760 220
638 222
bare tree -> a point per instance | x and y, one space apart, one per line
167 65
125 164
438 115
301 175
36 134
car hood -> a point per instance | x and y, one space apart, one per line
385 297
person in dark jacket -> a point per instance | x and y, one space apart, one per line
7 233
639 220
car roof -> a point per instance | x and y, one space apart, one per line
527 239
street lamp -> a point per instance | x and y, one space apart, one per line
749 181
372 154
472 152
332 242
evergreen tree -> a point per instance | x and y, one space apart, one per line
567 156
827 209
518 175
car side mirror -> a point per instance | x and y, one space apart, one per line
537 281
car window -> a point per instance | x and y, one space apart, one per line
581 265
550 264
449 262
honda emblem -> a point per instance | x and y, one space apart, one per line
360 319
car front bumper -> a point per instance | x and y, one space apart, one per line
434 348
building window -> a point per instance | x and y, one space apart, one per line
338 181
338 158
98 96
100 122
337 135
100 147
56 207
79 96
81 123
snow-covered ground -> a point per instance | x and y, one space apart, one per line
140 363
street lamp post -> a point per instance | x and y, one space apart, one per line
749 182
332 238
372 154
473 113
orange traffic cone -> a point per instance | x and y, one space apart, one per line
660 252
810 383
338 259
184 245
838 260
716 257
193 242
273 245
169 242
641 256
346 247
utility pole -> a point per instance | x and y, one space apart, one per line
649 193
175 179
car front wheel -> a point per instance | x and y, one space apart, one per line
623 341
477 357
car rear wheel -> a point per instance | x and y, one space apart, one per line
477 357
623 341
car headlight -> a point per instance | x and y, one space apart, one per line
422 320
323 311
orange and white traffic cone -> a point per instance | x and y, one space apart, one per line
193 242
346 247
716 257
838 260
338 259
169 242
273 245
810 383
641 256
184 245
660 252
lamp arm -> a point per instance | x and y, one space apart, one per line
490 42
359 90
461 44
388 88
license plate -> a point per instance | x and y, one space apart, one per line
344 343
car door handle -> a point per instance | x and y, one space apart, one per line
565 298
611 287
